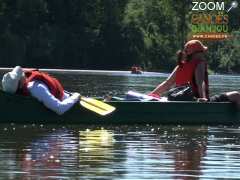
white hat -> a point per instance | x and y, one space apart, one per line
11 80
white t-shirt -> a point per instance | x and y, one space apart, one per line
41 92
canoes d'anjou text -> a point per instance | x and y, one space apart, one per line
21 109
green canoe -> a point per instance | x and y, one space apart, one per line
20 109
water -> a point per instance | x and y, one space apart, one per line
39 151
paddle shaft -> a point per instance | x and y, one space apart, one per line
82 99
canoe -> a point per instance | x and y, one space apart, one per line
136 72
21 109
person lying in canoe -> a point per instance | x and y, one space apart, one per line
41 86
192 69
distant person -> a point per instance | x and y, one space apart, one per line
41 86
136 70
139 69
192 69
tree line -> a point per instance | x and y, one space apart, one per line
105 34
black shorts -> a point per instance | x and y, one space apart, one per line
219 98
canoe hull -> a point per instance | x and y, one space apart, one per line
19 109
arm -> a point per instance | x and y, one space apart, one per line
41 92
167 84
199 78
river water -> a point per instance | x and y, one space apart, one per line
40 151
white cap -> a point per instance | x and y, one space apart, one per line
11 80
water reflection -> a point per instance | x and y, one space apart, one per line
124 152
100 154
166 152
189 147
86 152
222 156
45 156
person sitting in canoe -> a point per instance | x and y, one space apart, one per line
41 86
192 69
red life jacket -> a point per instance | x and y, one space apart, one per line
185 74
53 84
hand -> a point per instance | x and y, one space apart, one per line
202 100
76 95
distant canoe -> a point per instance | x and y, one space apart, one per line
20 109
136 72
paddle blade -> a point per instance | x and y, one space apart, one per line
96 106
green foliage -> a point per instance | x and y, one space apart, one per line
155 20
229 54
104 34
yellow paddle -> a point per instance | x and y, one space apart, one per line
96 106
